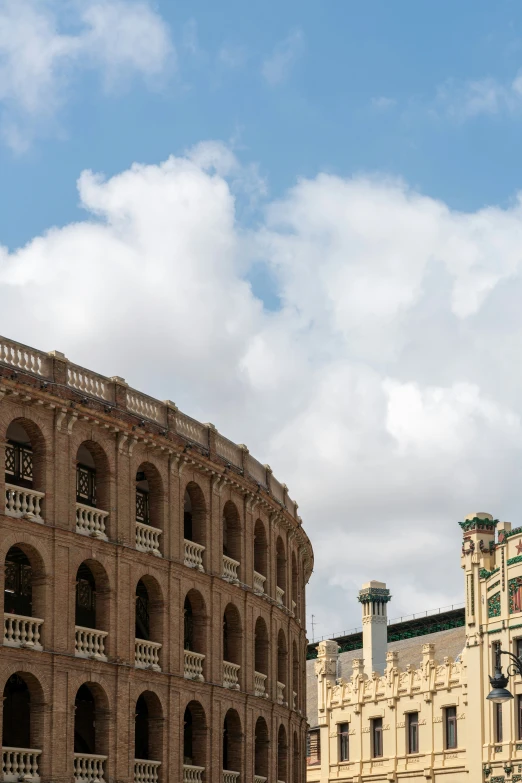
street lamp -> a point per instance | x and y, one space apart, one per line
499 693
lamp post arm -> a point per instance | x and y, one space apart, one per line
515 666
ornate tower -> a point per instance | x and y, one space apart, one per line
374 596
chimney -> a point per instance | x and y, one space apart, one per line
374 596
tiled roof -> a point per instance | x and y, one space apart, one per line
448 643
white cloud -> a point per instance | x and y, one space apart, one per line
386 391
233 56
464 100
382 103
43 48
277 67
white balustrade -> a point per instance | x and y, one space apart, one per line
147 538
193 665
259 583
230 675
24 358
146 655
20 502
91 521
228 450
20 631
260 779
146 771
192 429
280 693
89 382
88 768
230 569
193 557
280 594
90 643
146 406
230 777
260 684
192 774
20 764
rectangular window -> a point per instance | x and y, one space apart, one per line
377 738
519 716
498 722
142 507
342 731
313 749
413 732
518 647
86 485
451 728
19 464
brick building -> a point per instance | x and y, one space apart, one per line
154 590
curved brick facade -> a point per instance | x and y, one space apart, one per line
131 533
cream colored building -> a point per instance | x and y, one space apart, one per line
416 710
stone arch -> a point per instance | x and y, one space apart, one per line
26 593
25 454
148 727
195 514
296 695
261 748
261 647
195 622
149 614
282 755
296 759
281 571
93 475
232 742
282 661
232 534
23 711
261 550
149 508
92 602
194 735
91 719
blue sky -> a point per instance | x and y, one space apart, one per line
356 91
299 221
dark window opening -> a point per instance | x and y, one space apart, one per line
413 732
142 612
342 730
84 721
19 464
188 617
86 485
187 518
451 727
141 731
85 598
187 737
142 498
18 587
498 723
377 750
16 731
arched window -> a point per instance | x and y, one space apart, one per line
280 571
24 470
91 611
260 557
232 743
149 624
148 739
282 658
194 741
23 598
149 509
194 526
295 677
194 636
295 583
91 728
92 490
231 542
282 754
22 729
296 761
261 749
261 657
232 642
